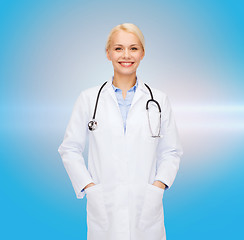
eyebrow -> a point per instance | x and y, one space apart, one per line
135 44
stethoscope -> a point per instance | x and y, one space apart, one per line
92 125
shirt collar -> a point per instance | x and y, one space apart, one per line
131 89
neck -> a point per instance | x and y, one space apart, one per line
124 82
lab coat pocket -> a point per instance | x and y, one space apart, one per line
97 218
152 216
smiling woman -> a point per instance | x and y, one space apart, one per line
125 49
129 166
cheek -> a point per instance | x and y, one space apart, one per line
114 57
138 57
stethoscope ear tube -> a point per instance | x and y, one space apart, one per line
159 109
152 100
148 117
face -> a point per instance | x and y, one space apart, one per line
125 52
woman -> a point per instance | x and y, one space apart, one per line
128 169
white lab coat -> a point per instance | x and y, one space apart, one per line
123 205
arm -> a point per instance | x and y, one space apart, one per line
73 145
169 148
159 184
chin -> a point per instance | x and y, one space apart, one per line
126 73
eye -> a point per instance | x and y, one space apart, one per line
118 49
134 49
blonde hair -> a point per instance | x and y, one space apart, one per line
128 27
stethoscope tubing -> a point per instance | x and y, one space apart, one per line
95 109
93 123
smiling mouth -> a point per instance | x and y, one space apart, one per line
126 64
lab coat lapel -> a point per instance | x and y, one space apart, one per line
108 87
140 91
112 93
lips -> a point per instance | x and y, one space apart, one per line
126 64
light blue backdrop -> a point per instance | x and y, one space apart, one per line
51 50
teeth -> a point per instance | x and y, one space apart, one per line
126 64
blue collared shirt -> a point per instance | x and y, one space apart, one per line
124 104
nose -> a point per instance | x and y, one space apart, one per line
126 53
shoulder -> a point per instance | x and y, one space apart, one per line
89 93
162 98
86 100
158 94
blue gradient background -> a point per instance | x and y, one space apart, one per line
51 50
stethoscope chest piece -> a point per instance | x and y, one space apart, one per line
92 125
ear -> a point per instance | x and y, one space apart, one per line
143 55
107 53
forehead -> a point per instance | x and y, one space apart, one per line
124 38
